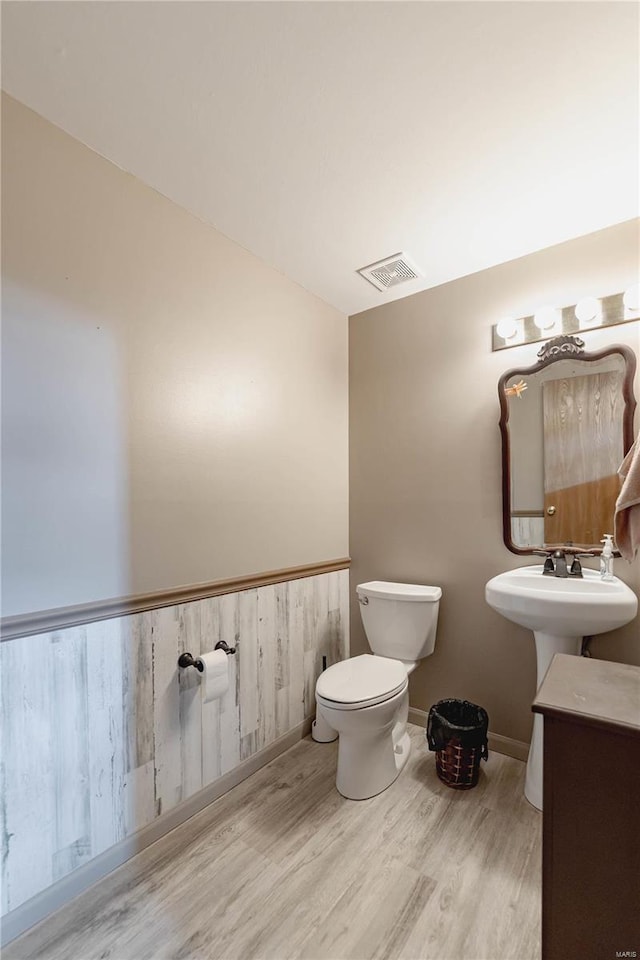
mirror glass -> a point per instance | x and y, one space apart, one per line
566 423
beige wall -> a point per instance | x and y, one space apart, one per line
174 411
426 465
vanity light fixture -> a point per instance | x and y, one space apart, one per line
588 313
507 328
546 319
511 330
587 309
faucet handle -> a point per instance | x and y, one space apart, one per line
549 568
576 566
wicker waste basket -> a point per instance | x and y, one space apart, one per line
457 731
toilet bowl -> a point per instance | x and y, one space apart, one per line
364 701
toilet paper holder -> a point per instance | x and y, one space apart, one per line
186 660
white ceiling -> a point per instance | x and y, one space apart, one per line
323 136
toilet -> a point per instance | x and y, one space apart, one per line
365 700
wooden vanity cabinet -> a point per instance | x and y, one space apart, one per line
591 818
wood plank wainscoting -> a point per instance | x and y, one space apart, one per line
106 745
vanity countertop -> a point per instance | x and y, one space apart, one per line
594 692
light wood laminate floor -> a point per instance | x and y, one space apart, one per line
284 867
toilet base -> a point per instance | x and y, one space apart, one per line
362 775
373 744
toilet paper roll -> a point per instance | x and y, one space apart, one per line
215 676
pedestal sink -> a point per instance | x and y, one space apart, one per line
560 611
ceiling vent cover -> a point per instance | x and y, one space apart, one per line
390 272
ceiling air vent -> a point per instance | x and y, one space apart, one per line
390 272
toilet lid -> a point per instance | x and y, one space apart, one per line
362 678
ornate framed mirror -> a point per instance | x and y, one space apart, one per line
566 425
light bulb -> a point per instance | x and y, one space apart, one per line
546 318
588 310
631 298
507 328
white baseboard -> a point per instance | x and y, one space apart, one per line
45 903
505 745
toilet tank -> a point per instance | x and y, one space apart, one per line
400 619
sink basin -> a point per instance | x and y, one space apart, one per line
561 606
560 611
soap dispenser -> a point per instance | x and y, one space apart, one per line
606 558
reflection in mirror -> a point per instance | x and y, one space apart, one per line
566 424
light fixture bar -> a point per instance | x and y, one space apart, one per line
613 311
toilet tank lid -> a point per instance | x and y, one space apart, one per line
399 591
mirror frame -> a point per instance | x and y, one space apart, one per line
560 348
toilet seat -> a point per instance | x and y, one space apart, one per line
361 682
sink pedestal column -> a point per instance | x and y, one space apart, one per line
546 646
